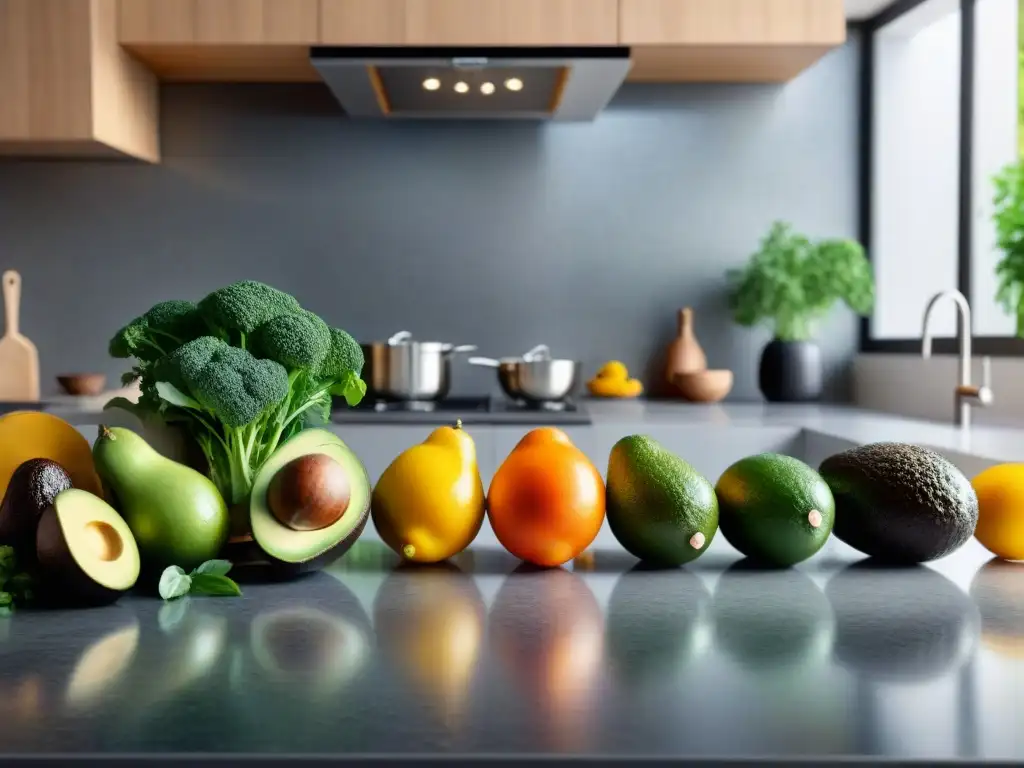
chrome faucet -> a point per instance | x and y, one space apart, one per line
965 394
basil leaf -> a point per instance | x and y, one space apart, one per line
214 586
213 568
174 582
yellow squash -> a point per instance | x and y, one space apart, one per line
429 503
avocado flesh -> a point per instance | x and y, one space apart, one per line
764 509
657 503
899 502
85 549
293 547
32 488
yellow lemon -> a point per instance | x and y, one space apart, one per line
613 369
1000 526
429 503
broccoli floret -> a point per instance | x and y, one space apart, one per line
244 306
300 341
166 326
345 355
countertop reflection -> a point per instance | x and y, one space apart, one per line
489 656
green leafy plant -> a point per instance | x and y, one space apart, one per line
241 372
210 578
791 282
1008 218
15 585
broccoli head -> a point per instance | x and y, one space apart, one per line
299 341
246 305
164 327
227 381
344 355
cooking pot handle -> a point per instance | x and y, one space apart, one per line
489 362
399 337
540 352
463 348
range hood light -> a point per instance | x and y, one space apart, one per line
431 84
514 84
487 88
461 87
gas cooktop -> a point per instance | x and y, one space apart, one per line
472 410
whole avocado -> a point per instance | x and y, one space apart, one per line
899 502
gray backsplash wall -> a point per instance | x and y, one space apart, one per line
587 237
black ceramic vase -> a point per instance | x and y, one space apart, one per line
791 372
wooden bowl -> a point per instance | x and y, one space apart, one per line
82 384
704 386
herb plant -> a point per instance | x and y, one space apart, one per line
210 578
791 282
241 372
1008 218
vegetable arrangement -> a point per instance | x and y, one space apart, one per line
241 371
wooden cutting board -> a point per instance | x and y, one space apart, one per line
19 359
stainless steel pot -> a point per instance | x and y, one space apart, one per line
535 377
403 369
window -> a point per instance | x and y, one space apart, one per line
943 90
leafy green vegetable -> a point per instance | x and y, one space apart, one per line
790 282
1008 218
214 586
241 371
210 578
174 582
16 588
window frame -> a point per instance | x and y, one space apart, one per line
996 346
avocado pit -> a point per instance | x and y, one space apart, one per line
309 493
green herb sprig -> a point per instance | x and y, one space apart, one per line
210 578
790 283
16 587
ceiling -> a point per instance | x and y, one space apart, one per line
862 9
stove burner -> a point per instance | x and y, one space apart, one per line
478 404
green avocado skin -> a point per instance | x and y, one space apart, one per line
899 502
656 502
764 504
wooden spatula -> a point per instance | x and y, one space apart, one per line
19 359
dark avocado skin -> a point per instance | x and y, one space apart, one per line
900 503
656 502
32 488
763 507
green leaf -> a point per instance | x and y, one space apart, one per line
8 563
214 586
124 404
175 396
351 387
174 583
21 586
6 599
213 568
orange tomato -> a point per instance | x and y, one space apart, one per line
546 501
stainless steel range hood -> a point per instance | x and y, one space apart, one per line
473 83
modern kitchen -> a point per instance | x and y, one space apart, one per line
652 364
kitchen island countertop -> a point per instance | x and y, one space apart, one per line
715 661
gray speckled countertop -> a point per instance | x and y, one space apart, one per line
714 661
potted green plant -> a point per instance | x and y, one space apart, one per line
1008 218
789 285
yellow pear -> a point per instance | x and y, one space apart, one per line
429 503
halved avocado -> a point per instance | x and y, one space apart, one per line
86 551
303 550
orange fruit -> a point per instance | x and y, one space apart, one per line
1000 525
546 501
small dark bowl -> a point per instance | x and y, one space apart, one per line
82 384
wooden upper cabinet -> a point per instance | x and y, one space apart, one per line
732 22
67 88
219 22
469 22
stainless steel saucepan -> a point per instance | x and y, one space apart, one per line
403 369
535 377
